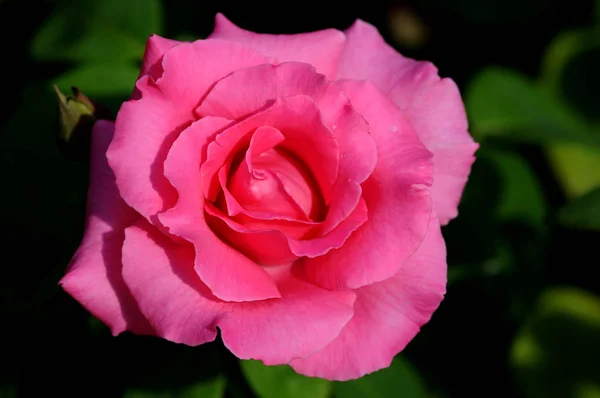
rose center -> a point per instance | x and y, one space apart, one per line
274 181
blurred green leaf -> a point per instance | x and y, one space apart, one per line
584 212
399 380
576 167
505 103
521 195
282 382
569 70
97 30
561 50
557 354
213 388
100 80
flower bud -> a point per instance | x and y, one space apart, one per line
77 115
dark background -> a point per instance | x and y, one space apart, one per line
522 314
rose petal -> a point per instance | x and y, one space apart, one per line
432 105
321 49
302 322
264 246
334 239
156 47
257 188
262 85
399 205
229 275
358 153
387 316
358 157
161 277
159 273
94 274
146 128
306 137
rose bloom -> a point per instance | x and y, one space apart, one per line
287 190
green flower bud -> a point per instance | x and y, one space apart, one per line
76 112
77 115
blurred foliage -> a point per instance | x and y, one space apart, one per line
529 219
556 352
399 379
282 381
583 212
109 30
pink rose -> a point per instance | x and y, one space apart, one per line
287 189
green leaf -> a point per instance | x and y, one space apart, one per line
100 80
556 354
213 388
505 103
521 195
282 382
399 380
569 70
99 30
561 50
583 212
576 167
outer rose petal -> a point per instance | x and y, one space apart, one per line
159 273
161 277
156 47
321 49
432 105
146 127
303 321
397 200
230 275
94 274
387 315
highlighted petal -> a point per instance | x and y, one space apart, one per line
433 106
94 274
161 277
230 275
387 316
303 321
147 127
321 49
396 196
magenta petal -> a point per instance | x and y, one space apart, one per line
161 277
396 196
156 47
432 105
265 247
387 316
321 49
303 321
94 274
306 137
229 275
263 139
262 85
358 157
147 127
335 238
